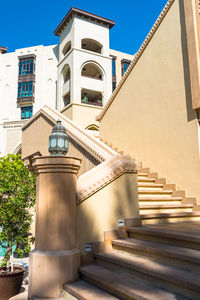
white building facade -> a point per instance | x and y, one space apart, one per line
76 77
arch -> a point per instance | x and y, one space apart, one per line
92 70
66 48
91 45
17 149
92 127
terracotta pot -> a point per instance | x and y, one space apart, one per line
10 284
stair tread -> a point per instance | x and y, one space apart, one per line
85 291
185 254
150 184
168 233
160 198
146 191
132 288
157 270
146 179
169 215
167 206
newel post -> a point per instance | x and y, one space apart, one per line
55 259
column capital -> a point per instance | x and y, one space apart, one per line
56 164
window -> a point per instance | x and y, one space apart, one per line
113 67
125 65
25 89
26 112
26 66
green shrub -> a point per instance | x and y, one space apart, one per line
17 197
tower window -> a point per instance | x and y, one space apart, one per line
26 112
113 67
25 89
26 66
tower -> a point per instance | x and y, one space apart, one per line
84 66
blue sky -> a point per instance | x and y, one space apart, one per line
30 23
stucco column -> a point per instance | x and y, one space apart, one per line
55 259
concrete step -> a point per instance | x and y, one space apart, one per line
173 279
150 185
152 209
146 179
82 290
124 286
154 192
152 200
167 234
184 258
142 174
169 217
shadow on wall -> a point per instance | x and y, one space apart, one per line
101 211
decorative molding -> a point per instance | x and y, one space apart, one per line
73 12
13 124
17 148
136 57
100 176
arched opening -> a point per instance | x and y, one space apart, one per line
92 127
91 97
18 149
66 74
66 48
92 70
91 45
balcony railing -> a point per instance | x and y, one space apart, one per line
91 83
95 103
24 100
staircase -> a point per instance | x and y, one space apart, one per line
160 202
159 260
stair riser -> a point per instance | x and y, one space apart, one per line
169 220
164 210
153 195
68 296
145 179
174 261
164 240
171 285
158 202
108 288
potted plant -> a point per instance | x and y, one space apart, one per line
17 197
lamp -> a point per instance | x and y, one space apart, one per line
58 140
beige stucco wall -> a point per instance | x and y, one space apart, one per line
35 137
82 114
102 210
151 117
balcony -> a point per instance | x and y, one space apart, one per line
25 100
91 83
66 88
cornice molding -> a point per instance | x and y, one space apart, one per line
100 176
137 57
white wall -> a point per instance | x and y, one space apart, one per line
45 85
